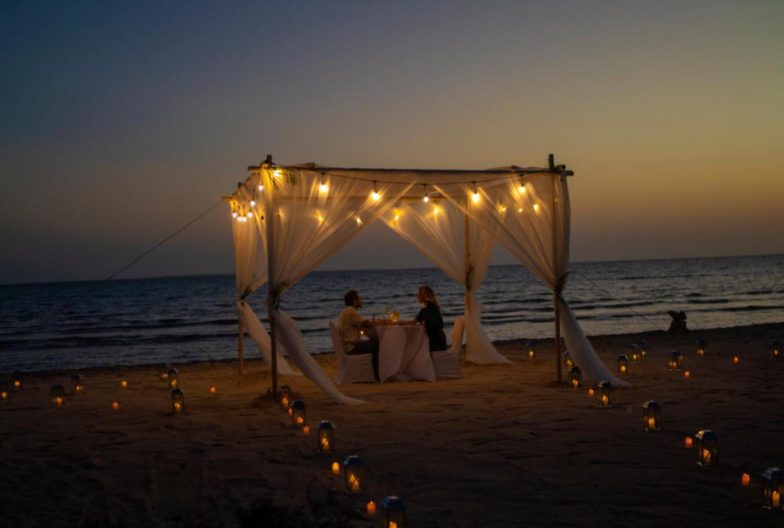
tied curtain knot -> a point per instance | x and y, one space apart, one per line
560 285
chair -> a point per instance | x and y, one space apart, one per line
352 368
446 363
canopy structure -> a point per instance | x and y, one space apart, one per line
288 219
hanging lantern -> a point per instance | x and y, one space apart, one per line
775 349
163 374
353 473
57 392
707 446
298 413
568 360
623 364
675 361
530 350
325 439
604 394
575 377
393 512
651 416
772 488
16 380
700 350
284 396
77 384
634 355
177 401
173 378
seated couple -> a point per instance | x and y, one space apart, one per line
351 325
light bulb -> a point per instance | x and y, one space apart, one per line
375 196
426 199
277 173
234 214
323 187
261 188
521 189
253 203
359 221
249 214
475 197
536 208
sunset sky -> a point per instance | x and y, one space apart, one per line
121 121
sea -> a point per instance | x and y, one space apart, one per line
73 325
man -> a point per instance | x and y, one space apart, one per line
350 326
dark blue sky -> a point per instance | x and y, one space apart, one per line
122 121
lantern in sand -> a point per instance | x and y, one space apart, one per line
700 350
57 392
604 394
4 393
530 350
675 360
77 384
772 488
353 474
284 396
568 360
775 349
393 512
651 416
177 401
16 380
123 383
325 437
634 353
643 349
298 413
706 444
623 364
115 405
163 374
173 378
575 377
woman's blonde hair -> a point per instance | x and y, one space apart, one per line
428 294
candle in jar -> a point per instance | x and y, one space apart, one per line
124 384
591 392
687 374
353 482
735 360
213 390
115 406
335 468
775 499
371 508
706 456
392 524
306 430
651 422
745 479
4 395
324 443
688 441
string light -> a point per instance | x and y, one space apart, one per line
277 173
323 186
425 198
234 214
475 194
249 214
521 186
261 188
375 196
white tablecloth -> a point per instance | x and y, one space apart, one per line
404 353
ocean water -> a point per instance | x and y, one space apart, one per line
143 321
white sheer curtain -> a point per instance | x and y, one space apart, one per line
530 218
250 269
309 216
437 229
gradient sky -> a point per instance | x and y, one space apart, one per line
121 121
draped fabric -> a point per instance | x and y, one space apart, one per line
530 217
308 216
250 267
437 229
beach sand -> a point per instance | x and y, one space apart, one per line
504 446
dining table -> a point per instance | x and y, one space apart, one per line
404 353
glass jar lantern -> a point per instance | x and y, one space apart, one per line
604 394
634 353
772 488
775 349
623 364
675 360
57 393
706 445
284 396
177 401
393 512
575 377
651 416
325 437
4 392
163 374
298 413
173 378
700 350
353 474
77 384
530 350
16 381
568 360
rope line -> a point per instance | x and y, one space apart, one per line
162 242
655 325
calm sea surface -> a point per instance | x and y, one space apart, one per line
125 322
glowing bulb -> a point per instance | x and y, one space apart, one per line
536 208
323 187
521 188
375 196
234 214
249 214
253 203
502 209
277 173
261 188
436 210
359 221
520 210
426 199
475 197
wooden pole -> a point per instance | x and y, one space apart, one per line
467 268
241 345
556 308
270 218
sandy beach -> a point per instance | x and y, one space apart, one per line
504 446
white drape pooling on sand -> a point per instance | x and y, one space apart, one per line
437 230
530 217
308 218
250 270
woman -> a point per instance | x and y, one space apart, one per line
430 316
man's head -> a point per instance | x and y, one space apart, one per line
352 299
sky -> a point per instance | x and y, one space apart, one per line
122 121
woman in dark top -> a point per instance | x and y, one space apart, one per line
430 316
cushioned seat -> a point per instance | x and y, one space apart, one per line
352 368
447 362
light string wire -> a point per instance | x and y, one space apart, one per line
162 242
606 292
